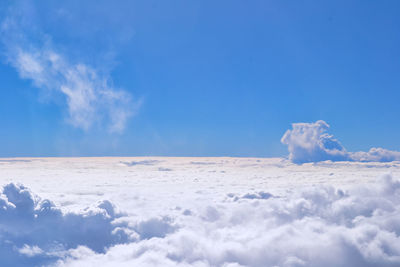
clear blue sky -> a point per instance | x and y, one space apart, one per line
215 78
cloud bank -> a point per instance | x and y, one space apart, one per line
89 95
319 226
322 226
35 232
309 142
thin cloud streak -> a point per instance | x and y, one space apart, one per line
90 97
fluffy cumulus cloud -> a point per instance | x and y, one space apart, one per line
310 142
89 94
318 226
33 231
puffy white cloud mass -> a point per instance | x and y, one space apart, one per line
309 142
35 232
89 94
318 226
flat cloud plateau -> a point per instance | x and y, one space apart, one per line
201 212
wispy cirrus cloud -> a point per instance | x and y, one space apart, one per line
89 94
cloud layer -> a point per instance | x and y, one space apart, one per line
35 232
322 226
309 142
89 95
319 226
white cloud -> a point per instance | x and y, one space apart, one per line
309 142
35 232
30 251
192 216
89 96
322 226
376 154
319 226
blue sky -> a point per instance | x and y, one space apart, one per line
198 78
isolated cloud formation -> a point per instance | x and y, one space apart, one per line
89 95
319 226
309 142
